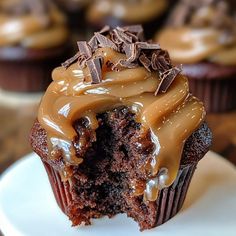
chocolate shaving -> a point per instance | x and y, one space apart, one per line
93 43
131 52
145 61
148 46
122 37
126 64
166 79
127 40
105 42
95 69
84 49
82 61
69 61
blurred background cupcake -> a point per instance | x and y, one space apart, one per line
33 40
149 13
201 35
75 11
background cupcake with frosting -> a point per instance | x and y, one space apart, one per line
126 12
75 11
33 40
201 35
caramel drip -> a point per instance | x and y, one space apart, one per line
129 11
170 117
33 31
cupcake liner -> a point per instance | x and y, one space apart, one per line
218 95
61 189
25 76
28 70
169 201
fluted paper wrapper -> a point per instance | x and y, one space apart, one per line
218 95
171 199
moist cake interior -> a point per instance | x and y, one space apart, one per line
100 185
102 180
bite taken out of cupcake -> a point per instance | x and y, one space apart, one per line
33 40
119 132
201 35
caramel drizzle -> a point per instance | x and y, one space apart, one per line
32 30
170 117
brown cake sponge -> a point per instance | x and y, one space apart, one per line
101 184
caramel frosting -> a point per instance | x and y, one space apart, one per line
169 115
130 11
36 24
209 34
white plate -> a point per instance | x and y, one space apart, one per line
27 205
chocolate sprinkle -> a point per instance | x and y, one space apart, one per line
127 40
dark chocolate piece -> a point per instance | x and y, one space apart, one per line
95 69
145 61
93 43
69 61
166 79
84 49
105 41
126 40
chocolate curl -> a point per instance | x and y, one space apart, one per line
95 69
167 79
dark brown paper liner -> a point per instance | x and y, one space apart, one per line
25 76
23 70
218 95
169 202
61 189
171 199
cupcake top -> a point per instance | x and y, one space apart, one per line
129 11
118 68
203 30
36 24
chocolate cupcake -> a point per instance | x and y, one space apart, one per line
118 131
33 40
201 35
75 11
126 12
